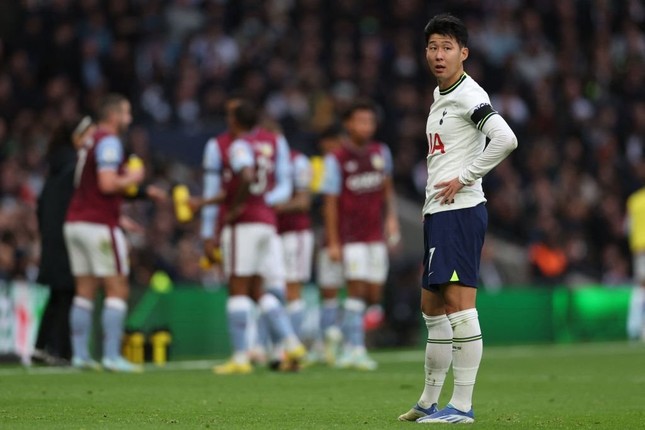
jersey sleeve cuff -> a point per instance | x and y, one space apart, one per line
465 181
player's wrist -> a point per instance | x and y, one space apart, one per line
464 181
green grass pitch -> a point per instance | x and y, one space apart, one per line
584 386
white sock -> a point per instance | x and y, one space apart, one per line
466 355
635 319
438 358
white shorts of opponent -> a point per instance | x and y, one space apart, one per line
96 249
329 274
366 262
253 249
298 248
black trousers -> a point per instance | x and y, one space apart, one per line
54 334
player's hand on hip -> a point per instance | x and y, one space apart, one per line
448 190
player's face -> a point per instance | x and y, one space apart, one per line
445 58
230 107
361 126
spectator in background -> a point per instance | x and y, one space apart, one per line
53 342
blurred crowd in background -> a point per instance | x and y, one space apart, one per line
568 75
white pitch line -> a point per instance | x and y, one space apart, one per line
389 357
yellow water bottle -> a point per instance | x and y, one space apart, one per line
135 164
317 173
181 197
160 341
133 347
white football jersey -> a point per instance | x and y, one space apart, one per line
455 140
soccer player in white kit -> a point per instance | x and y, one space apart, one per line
461 119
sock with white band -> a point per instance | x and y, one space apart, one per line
437 359
467 347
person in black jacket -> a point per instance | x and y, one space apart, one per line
53 342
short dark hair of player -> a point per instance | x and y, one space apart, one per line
359 104
447 25
109 103
246 114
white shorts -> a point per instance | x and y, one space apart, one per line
638 262
273 270
252 249
96 249
366 262
329 273
298 248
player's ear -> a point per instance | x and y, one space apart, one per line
464 53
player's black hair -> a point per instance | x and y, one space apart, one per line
246 114
109 103
447 25
359 104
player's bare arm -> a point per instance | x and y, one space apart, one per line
392 228
300 202
247 176
330 214
196 202
111 182
156 193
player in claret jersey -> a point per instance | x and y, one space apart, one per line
95 242
254 169
461 119
360 213
294 226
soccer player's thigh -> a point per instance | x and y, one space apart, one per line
298 253
114 262
329 274
378 263
105 250
76 249
242 247
356 261
273 263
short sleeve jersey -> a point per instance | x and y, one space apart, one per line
261 146
357 176
88 202
301 177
